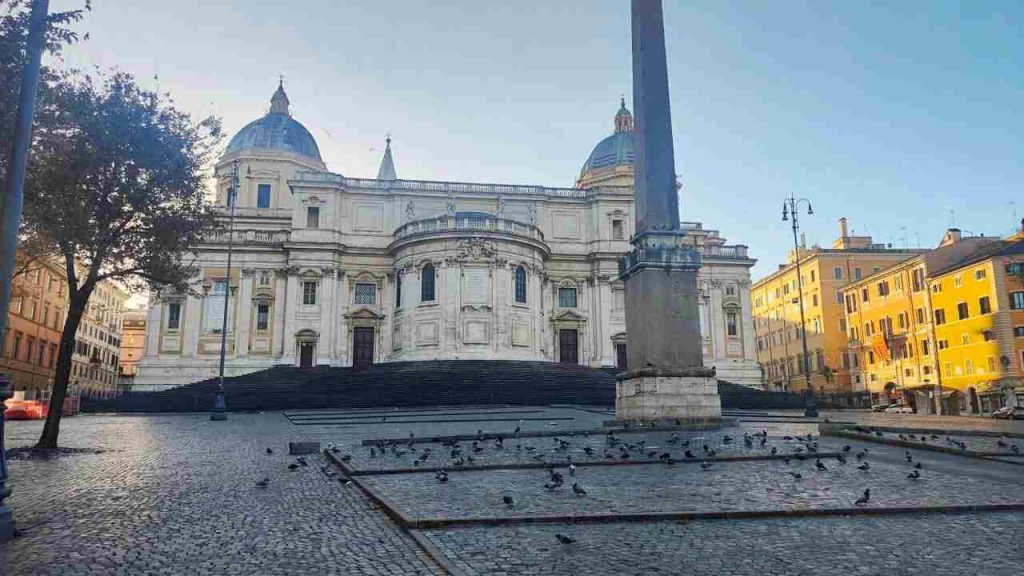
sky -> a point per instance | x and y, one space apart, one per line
904 117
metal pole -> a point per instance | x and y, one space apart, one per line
811 405
11 205
219 405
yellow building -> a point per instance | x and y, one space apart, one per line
133 346
978 308
824 273
889 318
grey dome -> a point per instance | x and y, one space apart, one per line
614 150
276 131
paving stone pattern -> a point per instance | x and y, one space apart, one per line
932 545
686 487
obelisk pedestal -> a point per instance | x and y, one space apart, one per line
665 381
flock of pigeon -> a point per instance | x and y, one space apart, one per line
926 438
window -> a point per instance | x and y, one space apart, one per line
398 290
173 316
30 312
961 311
865 296
937 288
984 305
1016 300
46 315
819 357
814 299
617 230
898 283
979 274
730 324
731 291
427 278
365 293
313 217
969 366
264 279
837 273
965 339
521 284
263 196
857 273
16 349
567 297
958 281
917 280
883 288
839 297
943 344
940 316
948 369
920 315
925 347
1018 331
263 316
992 364
871 356
817 325
842 325
53 355
309 293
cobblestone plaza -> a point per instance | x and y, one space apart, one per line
177 494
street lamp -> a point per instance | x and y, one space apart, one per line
220 411
789 213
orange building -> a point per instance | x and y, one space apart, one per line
35 320
133 346
824 274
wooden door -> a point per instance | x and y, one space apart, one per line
362 347
620 356
306 354
568 347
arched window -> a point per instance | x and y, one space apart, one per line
427 283
520 284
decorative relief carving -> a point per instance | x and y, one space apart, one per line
476 249
410 211
248 272
501 206
450 208
531 213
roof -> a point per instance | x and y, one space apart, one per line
614 150
992 249
933 259
276 131
387 164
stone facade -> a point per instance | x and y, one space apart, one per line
332 270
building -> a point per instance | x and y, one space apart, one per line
824 274
96 359
341 271
978 306
893 350
35 320
133 346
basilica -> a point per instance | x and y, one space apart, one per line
333 270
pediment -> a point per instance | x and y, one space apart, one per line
568 316
364 313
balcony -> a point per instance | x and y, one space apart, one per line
468 222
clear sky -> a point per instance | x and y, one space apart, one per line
902 116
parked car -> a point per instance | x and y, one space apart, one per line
1009 413
899 409
880 407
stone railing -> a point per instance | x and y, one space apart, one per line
468 222
242 237
453 188
738 251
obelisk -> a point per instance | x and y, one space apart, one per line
665 381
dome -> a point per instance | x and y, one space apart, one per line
615 150
276 131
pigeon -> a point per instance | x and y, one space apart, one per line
302 460
796 475
509 502
917 466
1002 444
841 458
373 452
578 490
564 539
688 454
864 466
846 448
263 483
665 456
909 457
589 451
293 466
269 451
705 465
774 450
572 469
1014 449
820 466
346 458
864 499
914 474
441 476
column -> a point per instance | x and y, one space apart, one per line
191 325
327 308
280 300
154 327
288 334
243 313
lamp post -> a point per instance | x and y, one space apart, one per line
219 406
789 209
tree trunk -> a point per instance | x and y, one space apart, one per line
76 307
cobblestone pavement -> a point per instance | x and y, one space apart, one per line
176 494
867 418
686 487
932 545
634 445
1004 445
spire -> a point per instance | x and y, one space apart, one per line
623 118
279 101
387 164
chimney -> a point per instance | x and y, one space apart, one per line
843 233
803 240
952 236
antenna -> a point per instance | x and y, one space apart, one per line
952 218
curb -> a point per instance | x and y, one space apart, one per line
916 445
440 557
610 518
941 431
528 434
